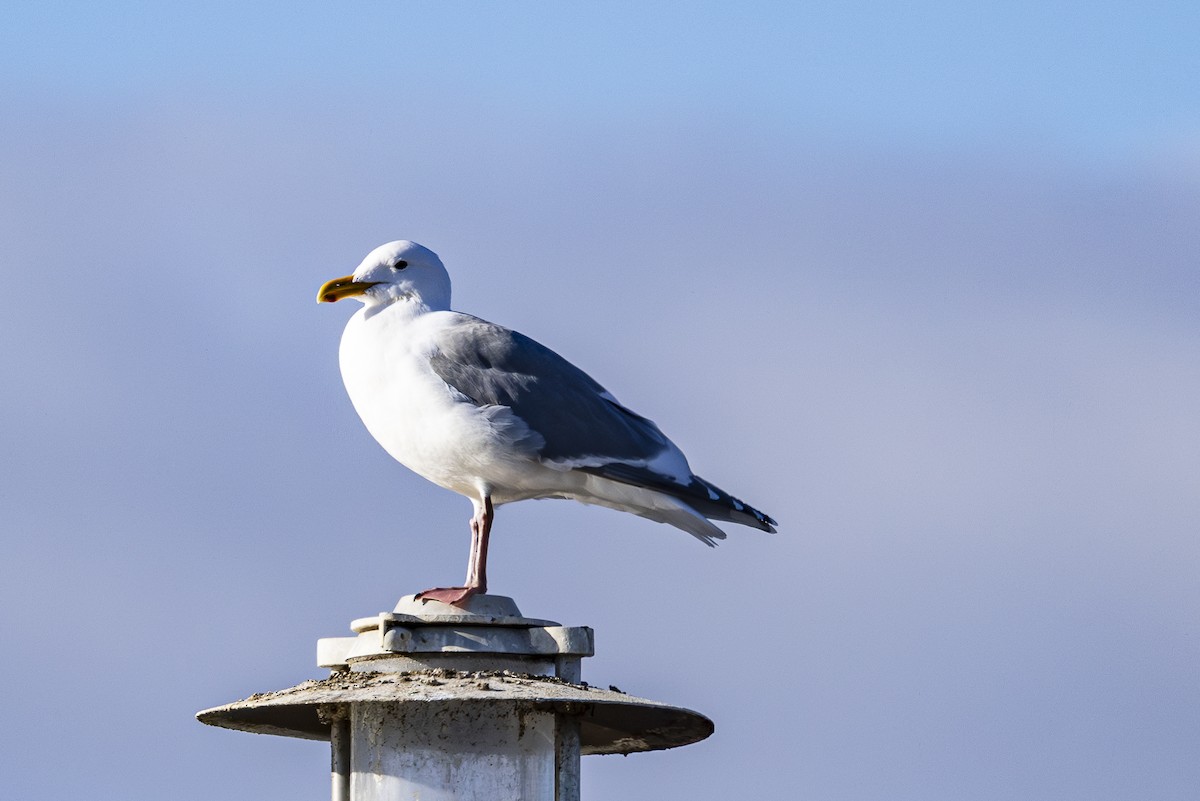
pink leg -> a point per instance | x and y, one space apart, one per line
481 529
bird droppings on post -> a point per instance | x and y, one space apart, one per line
307 703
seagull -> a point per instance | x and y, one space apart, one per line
493 415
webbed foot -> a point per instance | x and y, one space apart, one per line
455 596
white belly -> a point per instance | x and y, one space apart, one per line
427 425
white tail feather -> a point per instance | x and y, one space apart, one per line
649 504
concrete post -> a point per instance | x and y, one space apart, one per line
439 703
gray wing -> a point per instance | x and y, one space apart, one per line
576 417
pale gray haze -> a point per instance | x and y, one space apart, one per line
922 284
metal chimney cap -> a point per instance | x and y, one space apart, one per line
610 721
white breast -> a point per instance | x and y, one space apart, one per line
425 424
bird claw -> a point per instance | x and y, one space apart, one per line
455 596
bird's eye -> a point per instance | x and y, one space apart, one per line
399 265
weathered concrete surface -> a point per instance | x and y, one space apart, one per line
458 752
442 703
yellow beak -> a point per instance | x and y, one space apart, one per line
344 287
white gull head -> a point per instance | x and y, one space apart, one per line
398 271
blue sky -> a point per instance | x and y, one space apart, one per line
920 282
1110 79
